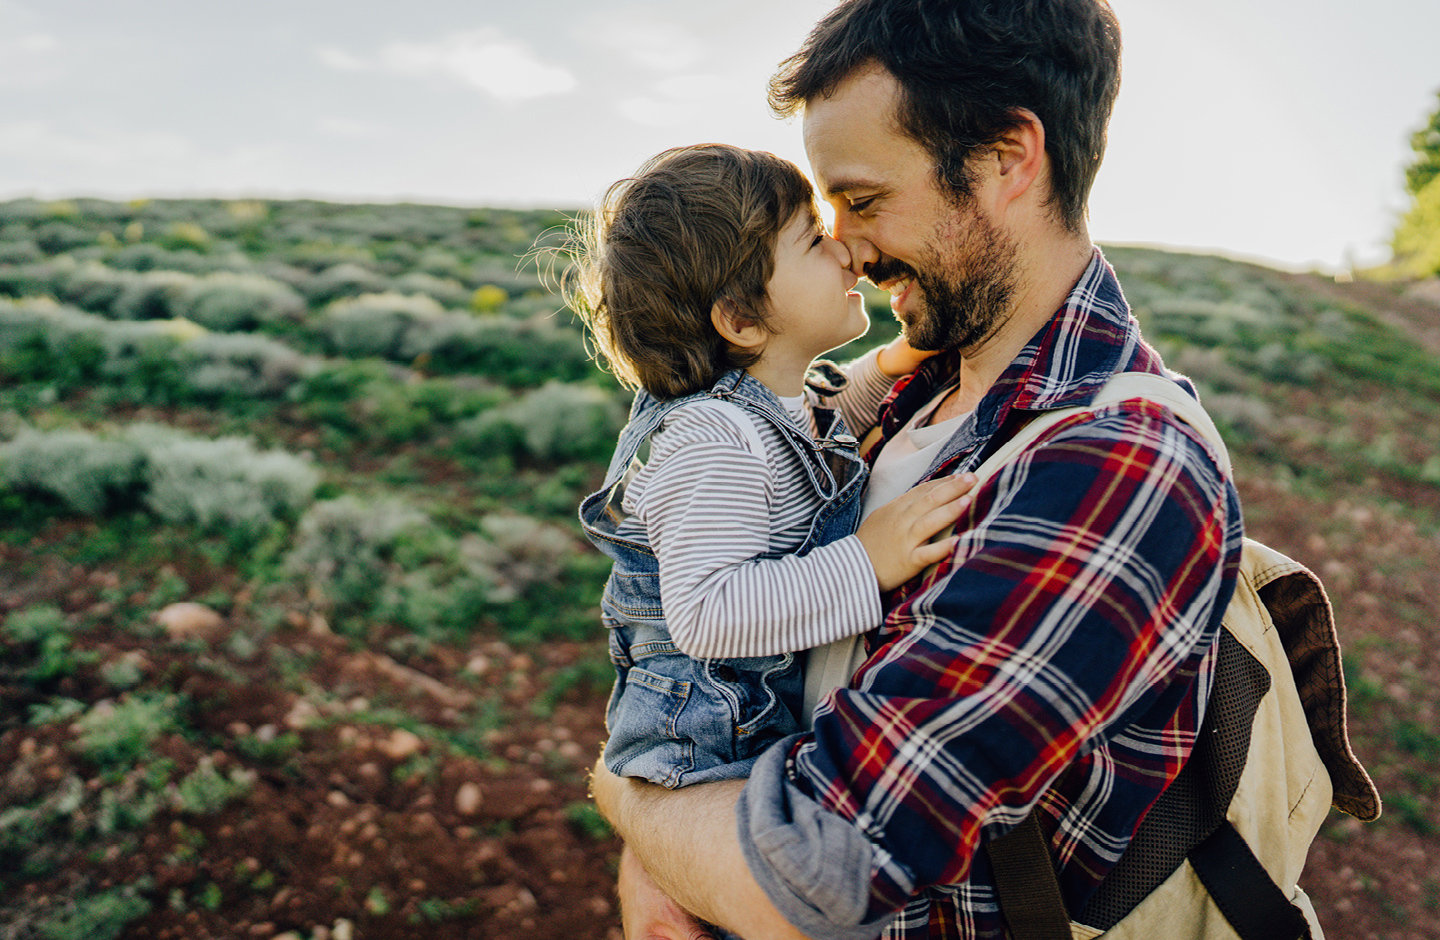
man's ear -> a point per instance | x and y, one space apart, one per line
735 329
1019 157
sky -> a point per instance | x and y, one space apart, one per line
1267 129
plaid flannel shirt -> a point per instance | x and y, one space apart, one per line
1063 656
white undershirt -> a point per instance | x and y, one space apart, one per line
898 467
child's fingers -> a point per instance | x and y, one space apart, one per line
933 494
931 552
941 516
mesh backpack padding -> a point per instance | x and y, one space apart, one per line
1194 804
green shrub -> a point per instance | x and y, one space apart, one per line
377 324
346 547
220 365
40 641
56 237
117 735
509 350
102 916
223 484
90 286
89 475
41 340
20 252
1206 322
389 562
166 361
446 290
153 295
35 279
517 553
206 790
558 421
346 279
227 302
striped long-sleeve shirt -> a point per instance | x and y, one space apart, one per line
722 502
1062 657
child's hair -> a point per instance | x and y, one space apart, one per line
695 226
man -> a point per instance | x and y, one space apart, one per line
1062 658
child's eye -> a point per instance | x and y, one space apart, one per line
819 237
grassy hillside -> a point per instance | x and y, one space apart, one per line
300 635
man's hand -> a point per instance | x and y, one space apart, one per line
686 840
646 912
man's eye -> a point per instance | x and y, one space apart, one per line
862 205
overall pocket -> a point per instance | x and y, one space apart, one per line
646 705
765 695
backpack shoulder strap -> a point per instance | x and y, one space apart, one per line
1252 903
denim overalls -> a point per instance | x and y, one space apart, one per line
675 720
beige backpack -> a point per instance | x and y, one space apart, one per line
1220 853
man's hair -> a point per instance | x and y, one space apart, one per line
965 68
695 226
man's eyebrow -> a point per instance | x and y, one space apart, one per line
842 186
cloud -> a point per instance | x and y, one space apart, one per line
664 47
38 141
349 127
37 156
28 59
483 59
678 100
340 60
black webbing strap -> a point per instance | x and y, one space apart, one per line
1029 892
1243 890
1026 886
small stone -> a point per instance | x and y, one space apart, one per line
401 744
336 798
468 798
343 930
301 715
187 620
478 665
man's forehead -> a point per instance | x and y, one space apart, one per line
849 132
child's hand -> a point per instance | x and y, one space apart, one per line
897 535
900 358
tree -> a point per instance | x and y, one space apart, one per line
1426 144
1416 241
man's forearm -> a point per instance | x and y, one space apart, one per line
687 841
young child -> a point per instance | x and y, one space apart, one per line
709 283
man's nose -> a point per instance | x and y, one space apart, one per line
859 248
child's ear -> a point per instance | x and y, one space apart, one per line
736 329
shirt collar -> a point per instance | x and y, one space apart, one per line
1090 338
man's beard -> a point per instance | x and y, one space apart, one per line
965 282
